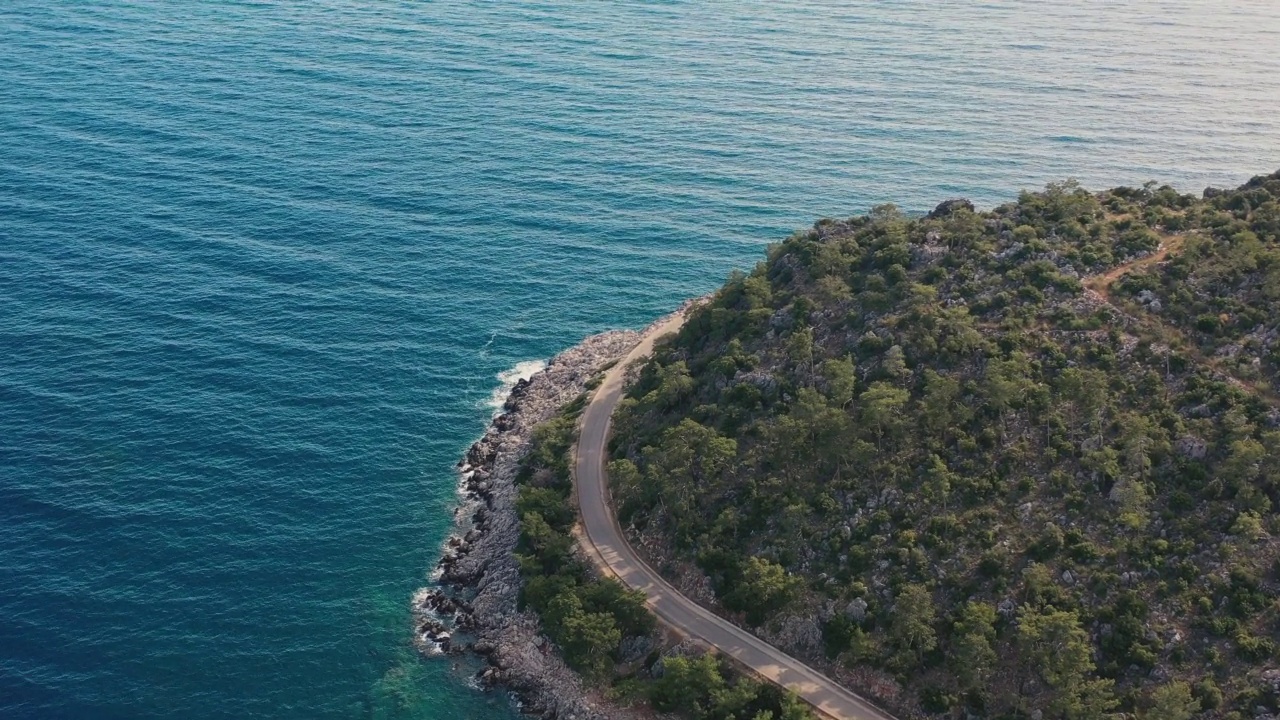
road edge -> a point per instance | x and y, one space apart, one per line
660 329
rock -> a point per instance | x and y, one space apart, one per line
795 634
478 570
634 648
856 610
948 207
1007 608
1271 678
1012 250
928 253
1192 447
1068 578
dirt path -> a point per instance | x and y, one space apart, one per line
1101 284
1170 244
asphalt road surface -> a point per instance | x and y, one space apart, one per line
605 542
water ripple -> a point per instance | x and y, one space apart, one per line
264 264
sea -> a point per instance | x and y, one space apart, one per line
268 267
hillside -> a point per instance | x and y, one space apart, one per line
1022 463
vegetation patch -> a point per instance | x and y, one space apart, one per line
1020 461
604 630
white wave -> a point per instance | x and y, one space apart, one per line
507 379
429 647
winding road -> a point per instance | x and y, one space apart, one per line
604 541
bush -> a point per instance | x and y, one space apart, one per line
586 617
1207 692
1254 649
763 588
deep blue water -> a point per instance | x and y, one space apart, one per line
261 264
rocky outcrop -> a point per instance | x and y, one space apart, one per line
948 207
479 580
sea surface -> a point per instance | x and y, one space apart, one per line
262 265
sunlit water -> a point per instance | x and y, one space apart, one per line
262 263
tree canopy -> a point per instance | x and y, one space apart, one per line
1036 448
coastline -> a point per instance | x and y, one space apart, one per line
473 604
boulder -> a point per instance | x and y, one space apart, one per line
1007 608
1192 447
856 610
948 207
634 648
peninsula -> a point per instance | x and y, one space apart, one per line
1017 463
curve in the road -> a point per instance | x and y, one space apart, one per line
605 542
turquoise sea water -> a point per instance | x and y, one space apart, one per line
261 264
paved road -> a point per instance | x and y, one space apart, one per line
604 540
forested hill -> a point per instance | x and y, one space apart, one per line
1017 461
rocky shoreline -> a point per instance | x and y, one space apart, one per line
474 605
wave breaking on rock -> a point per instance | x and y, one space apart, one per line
474 605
